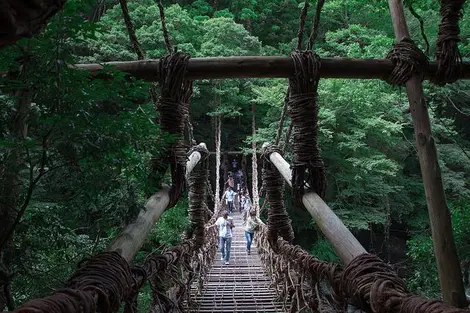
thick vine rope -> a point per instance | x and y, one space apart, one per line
421 25
131 31
447 51
307 169
279 223
175 93
172 273
373 285
316 22
197 193
166 37
408 59
101 284
297 275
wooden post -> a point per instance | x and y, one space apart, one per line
344 242
194 159
448 265
133 236
263 66
254 163
218 120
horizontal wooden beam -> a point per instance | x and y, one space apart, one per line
233 152
344 242
264 66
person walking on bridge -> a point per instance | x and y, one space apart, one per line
225 225
229 196
252 224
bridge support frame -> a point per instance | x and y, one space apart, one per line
344 242
450 276
131 239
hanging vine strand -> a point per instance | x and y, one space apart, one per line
166 37
316 22
131 31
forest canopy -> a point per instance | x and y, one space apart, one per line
75 153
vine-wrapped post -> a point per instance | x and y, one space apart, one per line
197 194
133 236
441 226
344 242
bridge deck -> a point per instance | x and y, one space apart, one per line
241 286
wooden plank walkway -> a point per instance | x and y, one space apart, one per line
241 286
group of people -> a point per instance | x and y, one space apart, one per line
235 186
244 201
235 177
225 226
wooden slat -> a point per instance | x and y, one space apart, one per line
241 286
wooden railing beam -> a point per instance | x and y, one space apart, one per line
344 242
263 66
131 239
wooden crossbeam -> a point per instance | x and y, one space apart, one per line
234 152
263 66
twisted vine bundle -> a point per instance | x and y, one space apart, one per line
173 107
307 168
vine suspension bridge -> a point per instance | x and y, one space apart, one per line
278 276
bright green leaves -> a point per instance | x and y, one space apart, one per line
357 41
424 277
223 37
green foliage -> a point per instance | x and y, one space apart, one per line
323 250
170 227
424 278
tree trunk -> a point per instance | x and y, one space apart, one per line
25 18
441 226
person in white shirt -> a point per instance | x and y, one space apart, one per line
229 196
225 225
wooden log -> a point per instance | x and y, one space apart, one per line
344 242
133 236
194 159
263 66
441 226
234 152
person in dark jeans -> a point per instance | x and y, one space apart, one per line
229 196
225 225
251 225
